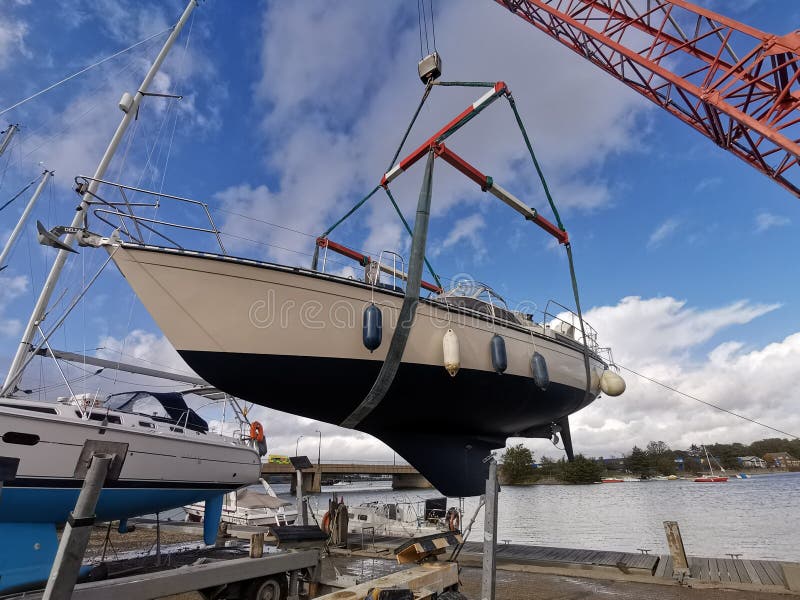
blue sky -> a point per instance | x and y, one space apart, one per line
685 255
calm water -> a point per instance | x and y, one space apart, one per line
756 517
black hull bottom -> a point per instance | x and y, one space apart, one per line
444 426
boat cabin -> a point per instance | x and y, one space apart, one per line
480 298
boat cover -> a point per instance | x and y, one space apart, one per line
172 402
251 499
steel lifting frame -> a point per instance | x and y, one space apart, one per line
735 84
486 183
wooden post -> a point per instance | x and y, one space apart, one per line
680 565
256 545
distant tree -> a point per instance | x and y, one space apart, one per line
549 468
661 458
517 464
638 462
582 470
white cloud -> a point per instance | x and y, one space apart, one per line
653 330
662 232
660 338
334 117
765 221
467 229
11 288
707 183
12 40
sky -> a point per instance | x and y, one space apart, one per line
291 113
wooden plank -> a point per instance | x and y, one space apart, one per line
664 561
694 566
741 572
727 572
751 571
713 569
775 572
762 573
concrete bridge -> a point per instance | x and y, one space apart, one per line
404 476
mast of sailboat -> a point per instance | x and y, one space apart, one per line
21 223
130 107
708 460
8 134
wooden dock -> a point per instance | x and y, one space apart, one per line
761 575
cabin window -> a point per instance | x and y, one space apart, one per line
23 439
147 424
39 409
362 517
100 416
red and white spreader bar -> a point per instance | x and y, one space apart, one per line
436 143
365 260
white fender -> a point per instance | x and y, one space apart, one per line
452 356
611 384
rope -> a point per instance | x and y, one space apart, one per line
715 406
535 162
18 194
567 246
358 205
74 75
433 27
408 229
410 125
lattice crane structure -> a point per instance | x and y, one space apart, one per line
736 85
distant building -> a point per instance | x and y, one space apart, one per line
782 460
752 462
614 464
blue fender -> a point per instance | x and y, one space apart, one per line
211 519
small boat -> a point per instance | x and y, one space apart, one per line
171 458
611 480
402 519
248 506
711 478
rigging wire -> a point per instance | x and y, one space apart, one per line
76 74
711 404
17 195
433 27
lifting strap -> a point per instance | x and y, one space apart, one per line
409 308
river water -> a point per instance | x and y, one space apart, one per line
758 518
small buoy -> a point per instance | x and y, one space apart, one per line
539 369
373 327
499 357
611 384
452 358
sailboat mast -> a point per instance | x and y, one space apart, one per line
21 223
129 108
708 460
9 133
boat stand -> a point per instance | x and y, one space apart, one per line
489 576
67 565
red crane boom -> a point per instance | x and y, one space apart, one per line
736 85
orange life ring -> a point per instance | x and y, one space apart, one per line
256 431
326 522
